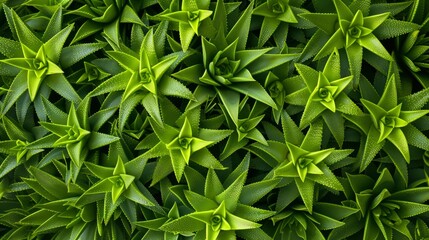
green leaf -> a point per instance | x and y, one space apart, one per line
240 30
324 21
115 83
416 100
97 140
336 41
374 45
327 179
54 113
171 87
62 86
306 191
73 54
130 16
87 29
313 139
232 193
238 223
410 209
17 88
372 147
55 44
255 91
355 55
50 183
333 210
8 164
25 35
183 224
398 160
9 48
415 137
398 139
212 186
194 179
231 100
393 28
253 192
275 60
199 202
134 194
269 26
371 230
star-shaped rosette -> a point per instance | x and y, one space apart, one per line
118 183
144 71
276 15
354 31
106 16
386 207
387 121
328 91
71 135
218 210
177 147
324 94
186 143
295 222
230 71
92 72
21 145
190 17
278 9
387 125
145 78
220 219
305 162
39 59
302 162
74 132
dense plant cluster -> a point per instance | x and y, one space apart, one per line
199 119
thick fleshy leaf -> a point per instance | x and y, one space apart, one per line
255 91
343 10
252 193
306 191
232 193
73 54
391 28
335 42
275 60
291 131
55 44
50 183
240 30
97 140
25 35
171 87
398 139
199 202
269 25
178 163
372 147
327 178
238 223
231 101
212 186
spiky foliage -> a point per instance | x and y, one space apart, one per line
204 119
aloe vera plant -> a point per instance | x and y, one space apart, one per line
214 119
